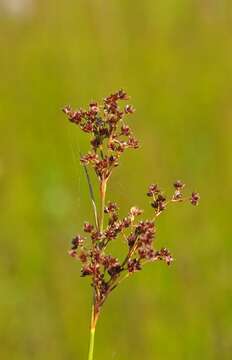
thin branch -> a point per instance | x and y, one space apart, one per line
91 193
103 185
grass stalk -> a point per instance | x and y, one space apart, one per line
94 318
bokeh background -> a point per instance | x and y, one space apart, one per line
174 58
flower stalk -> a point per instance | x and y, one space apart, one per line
94 318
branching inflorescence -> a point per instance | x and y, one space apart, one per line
110 136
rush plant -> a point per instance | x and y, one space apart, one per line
109 137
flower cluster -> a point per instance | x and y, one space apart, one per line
110 136
139 235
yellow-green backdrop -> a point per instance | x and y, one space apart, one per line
174 58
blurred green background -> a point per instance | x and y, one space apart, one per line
174 58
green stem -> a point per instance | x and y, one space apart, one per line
92 196
91 344
94 319
102 199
